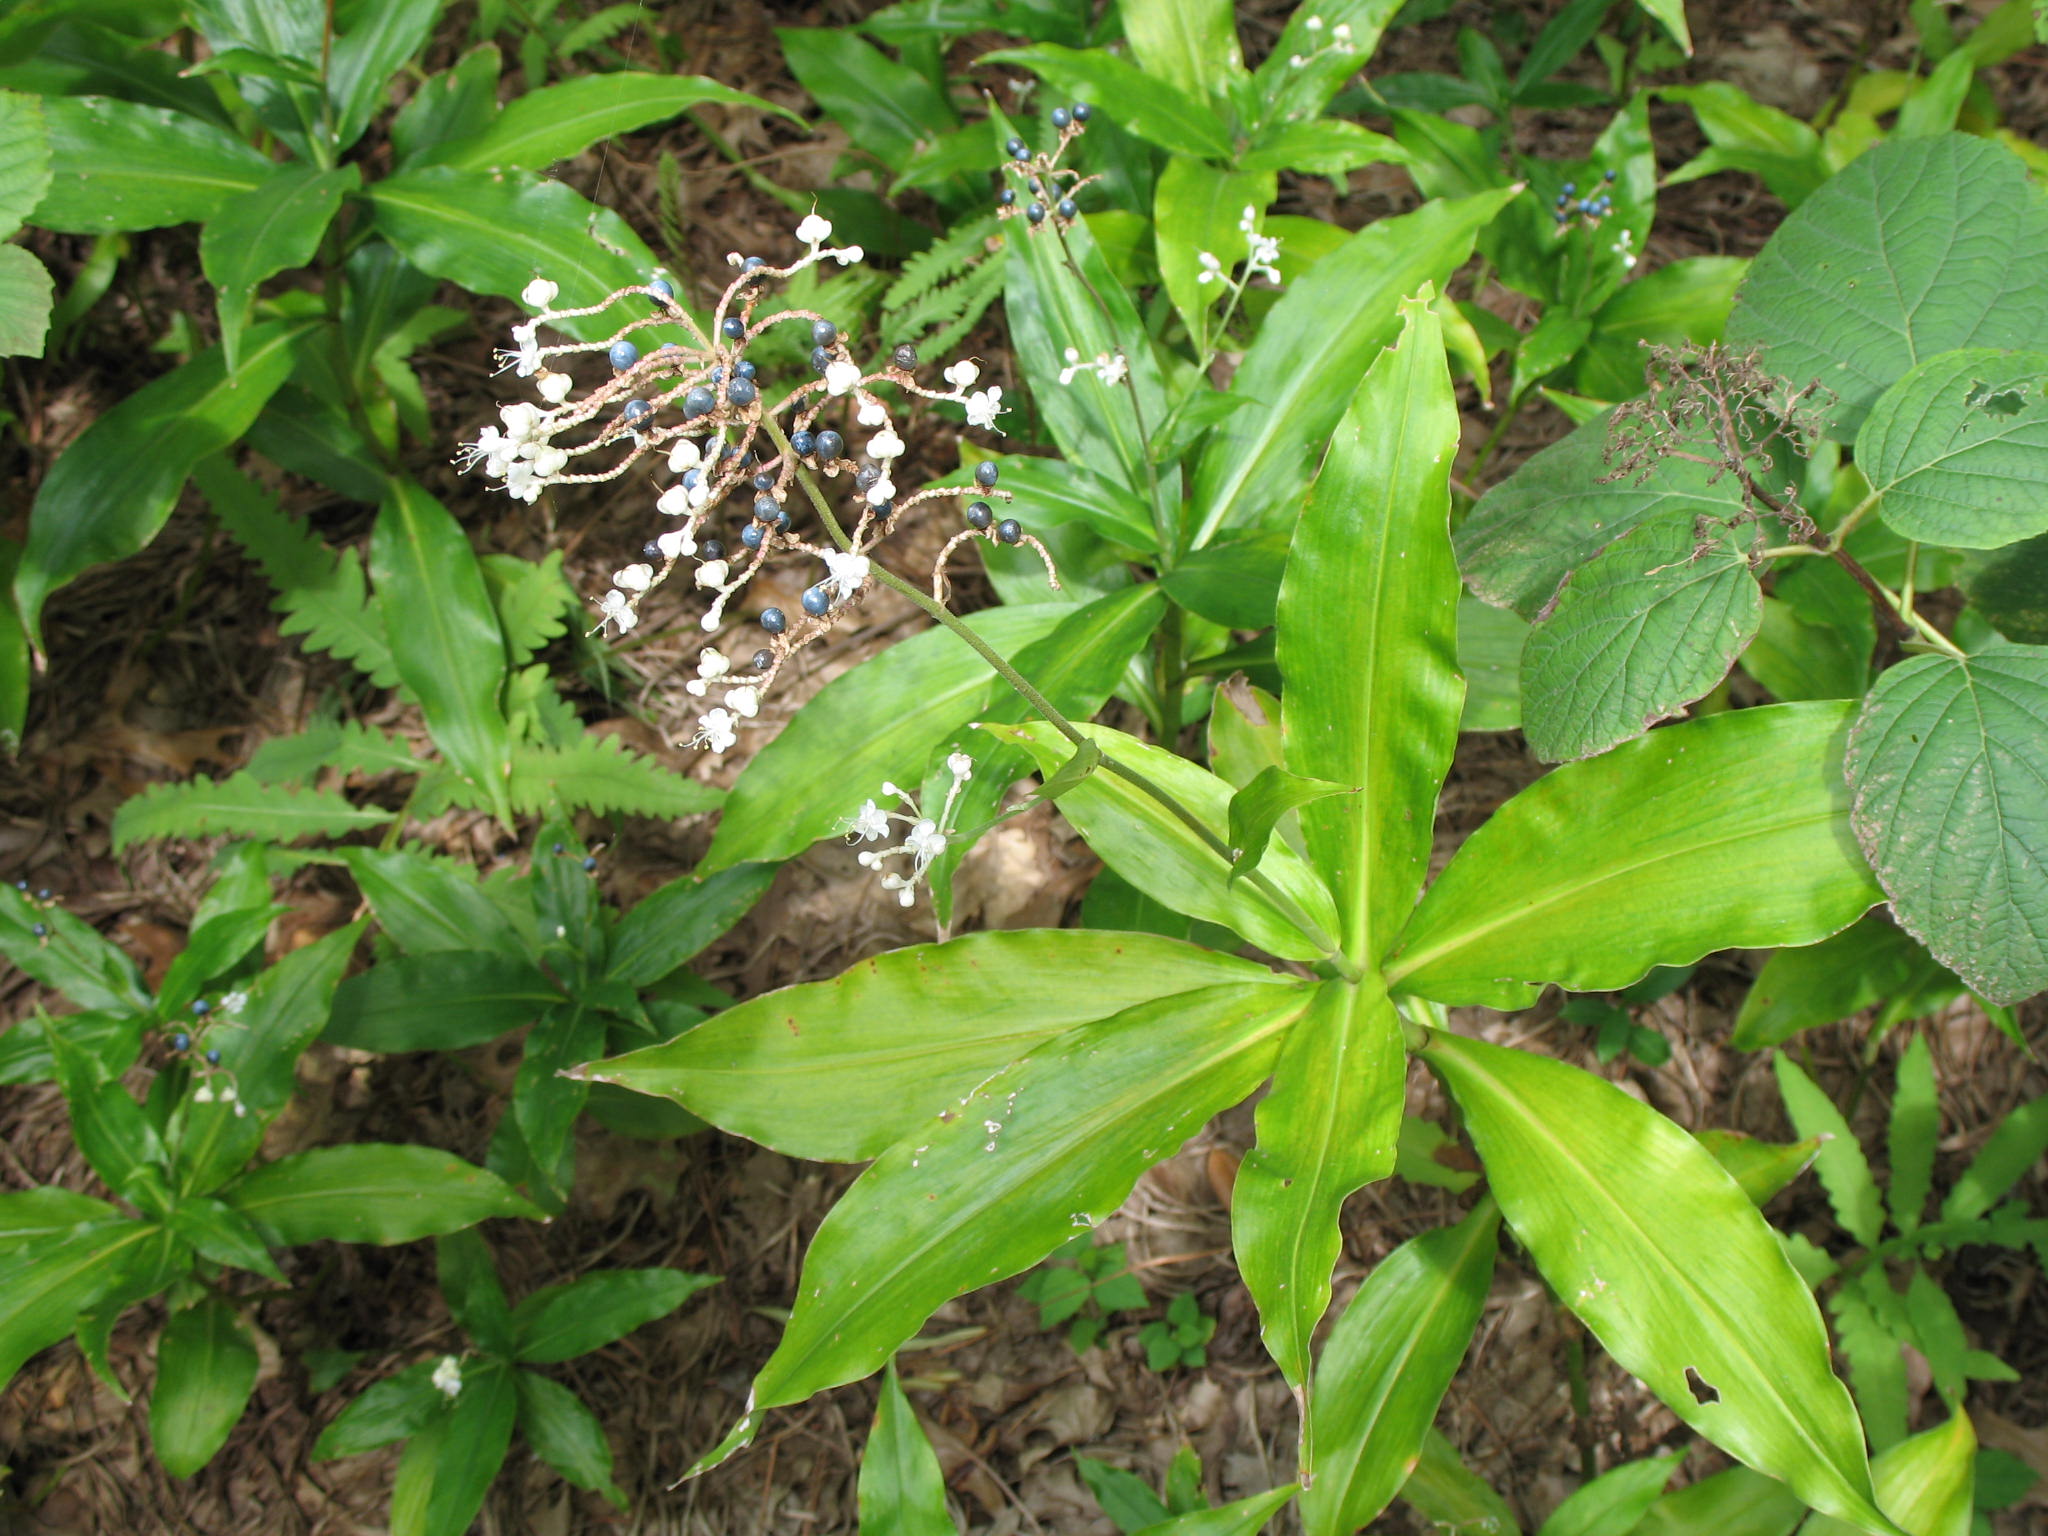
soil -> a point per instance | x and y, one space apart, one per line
171 663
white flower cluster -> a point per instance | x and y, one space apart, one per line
1110 367
447 1377
925 837
1262 256
1340 41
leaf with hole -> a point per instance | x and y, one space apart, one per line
1958 449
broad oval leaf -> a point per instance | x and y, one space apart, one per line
1958 448
1042 1149
445 1001
565 1434
2010 588
1303 365
1657 1249
1730 831
1386 1366
371 1192
1951 805
116 165
44 1286
1146 105
1920 246
1651 623
205 1371
557 121
1560 510
1197 210
110 491
258 233
1153 849
842 1070
879 721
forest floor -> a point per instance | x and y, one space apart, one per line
171 663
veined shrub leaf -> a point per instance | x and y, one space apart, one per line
1651 623
1039 1151
2009 587
1728 831
1919 246
1643 1235
240 805
1958 448
841 1070
1946 762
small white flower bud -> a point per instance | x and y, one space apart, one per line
683 455
538 294
554 387
634 578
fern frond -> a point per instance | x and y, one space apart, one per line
348 746
975 292
668 190
940 262
532 598
322 593
598 774
537 710
242 806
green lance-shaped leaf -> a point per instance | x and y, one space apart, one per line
1559 510
492 233
564 1433
668 928
257 234
240 806
1762 1168
45 1285
561 1322
887 108
1448 1493
385 1411
1910 1138
1240 1517
1040 1150
1684 300
453 1469
1329 1127
24 158
370 1193
561 120
447 646
1297 92
881 720
1490 642
1958 449
26 294
205 1371
1368 634
1670 15
1657 1249
1723 832
1949 765
1651 623
116 166
369 55
902 1490
1920 246
110 491
445 1001
69 956
1925 1483
1824 983
1613 1503
1156 110
1192 43
1257 808
1196 209
841 1070
1386 1366
1153 849
1735 1500
430 906
2019 1142
1303 363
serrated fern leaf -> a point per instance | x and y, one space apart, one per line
348 747
598 774
976 291
537 710
940 262
321 593
242 806
532 598
1877 1370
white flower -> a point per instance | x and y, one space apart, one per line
676 543
675 501
712 573
869 824
1111 370
1212 269
744 701
634 578
548 460
492 449
227 1093
849 255
538 294
715 730
841 376
618 608
960 765
683 455
234 1002
522 483
984 406
1314 23
447 1377
925 842
1342 32
712 664
872 412
203 1094
814 230
521 419
526 360
1622 248
962 374
554 387
884 446
844 574
883 490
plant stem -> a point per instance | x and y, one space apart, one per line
1582 1401
941 614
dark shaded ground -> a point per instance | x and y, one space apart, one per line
171 663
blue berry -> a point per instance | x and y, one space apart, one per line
588 864
1563 217
764 481
648 551
885 510
637 411
763 660
1014 147
698 402
732 327
830 446
979 515
1035 213
624 355
21 885
1570 187
43 894
742 392
660 288
717 377
181 1041
823 333
559 850
692 478
752 265
40 930
1009 530
1007 197
1607 175
820 359
1068 208
1082 111
802 444
1061 117
1563 201
744 369
752 535
711 549
201 1006
766 508
773 621
213 1058
986 473
1021 153
817 602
